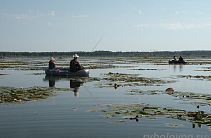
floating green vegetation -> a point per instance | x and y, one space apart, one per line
36 74
117 122
64 89
185 96
81 79
92 110
121 79
21 65
148 69
195 103
151 118
204 69
30 68
190 95
173 125
100 66
196 77
11 95
121 75
136 111
33 64
141 92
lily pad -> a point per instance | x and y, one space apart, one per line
117 122
174 125
151 118
108 115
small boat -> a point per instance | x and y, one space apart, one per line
177 62
66 72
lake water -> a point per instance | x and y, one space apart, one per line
66 115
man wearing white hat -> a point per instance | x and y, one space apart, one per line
74 64
52 63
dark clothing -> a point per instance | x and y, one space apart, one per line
181 59
75 85
51 64
75 66
51 83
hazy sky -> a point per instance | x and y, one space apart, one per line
130 25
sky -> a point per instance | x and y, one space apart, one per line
108 25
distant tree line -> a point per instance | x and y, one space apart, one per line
110 53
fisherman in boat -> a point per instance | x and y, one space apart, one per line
180 58
52 63
75 65
175 58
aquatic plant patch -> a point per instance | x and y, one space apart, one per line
173 125
196 77
11 95
19 63
117 122
137 111
147 69
122 79
184 96
19 95
36 74
142 92
195 103
22 65
204 69
102 66
33 64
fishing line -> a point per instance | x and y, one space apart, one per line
90 93
86 61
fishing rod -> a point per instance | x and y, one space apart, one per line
95 46
98 42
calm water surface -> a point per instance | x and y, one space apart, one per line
55 116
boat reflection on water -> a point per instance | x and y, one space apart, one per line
75 83
180 67
52 80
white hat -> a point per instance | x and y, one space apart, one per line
52 58
75 55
